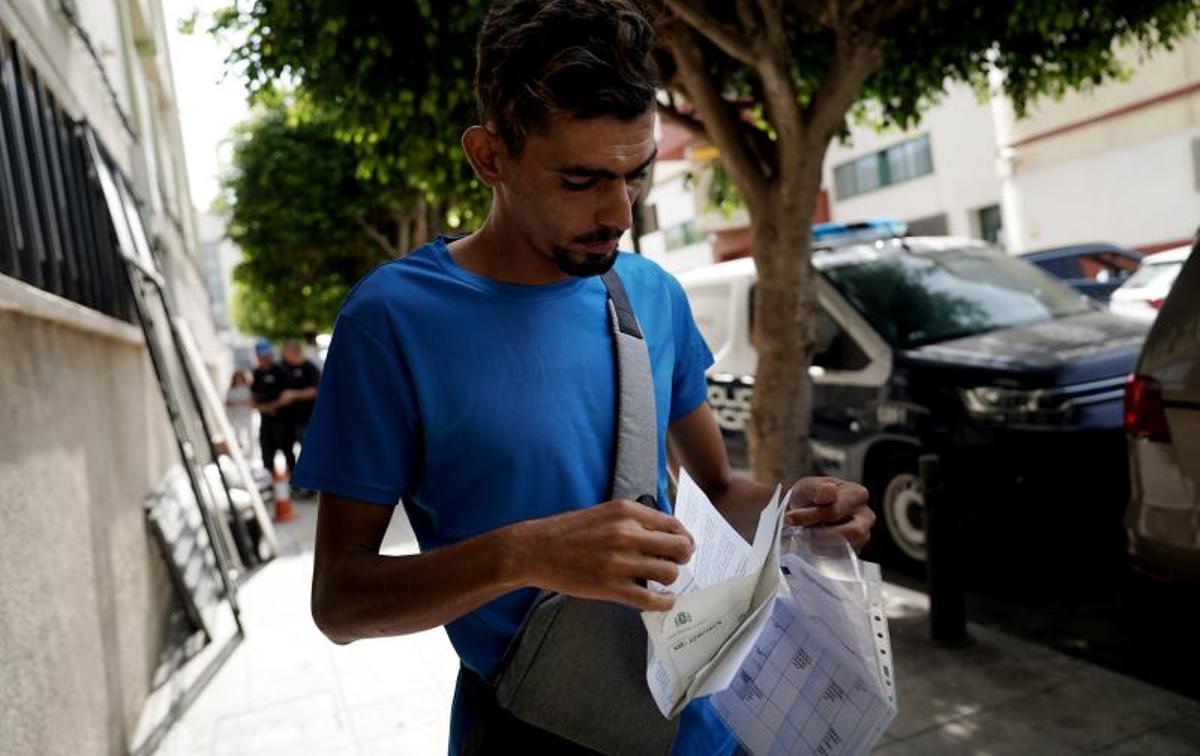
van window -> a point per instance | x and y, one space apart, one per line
711 310
835 350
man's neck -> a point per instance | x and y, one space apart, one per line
505 256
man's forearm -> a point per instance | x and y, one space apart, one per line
368 595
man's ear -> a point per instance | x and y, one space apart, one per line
486 152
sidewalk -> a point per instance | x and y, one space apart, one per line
288 690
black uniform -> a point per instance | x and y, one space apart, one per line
296 415
268 384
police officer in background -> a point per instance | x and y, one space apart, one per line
295 405
266 387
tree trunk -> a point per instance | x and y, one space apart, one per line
783 335
785 306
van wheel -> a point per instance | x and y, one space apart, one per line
899 503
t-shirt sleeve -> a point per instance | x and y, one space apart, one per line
689 388
361 442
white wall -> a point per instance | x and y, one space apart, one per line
1115 163
962 139
85 435
1135 195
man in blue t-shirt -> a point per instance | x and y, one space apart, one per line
474 379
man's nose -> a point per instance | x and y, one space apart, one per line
616 207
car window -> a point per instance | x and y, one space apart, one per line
1062 267
835 349
1102 267
1120 264
921 298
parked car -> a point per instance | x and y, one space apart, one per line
1144 293
948 345
1096 269
1162 420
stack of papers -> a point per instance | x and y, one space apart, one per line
723 600
797 661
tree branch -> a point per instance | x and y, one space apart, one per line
856 57
374 235
721 35
725 128
746 16
821 11
885 11
670 112
779 88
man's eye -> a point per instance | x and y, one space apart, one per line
638 178
578 185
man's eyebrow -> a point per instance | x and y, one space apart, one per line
585 171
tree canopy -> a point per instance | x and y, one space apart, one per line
396 78
768 82
309 225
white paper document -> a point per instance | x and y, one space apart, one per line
819 679
723 598
795 657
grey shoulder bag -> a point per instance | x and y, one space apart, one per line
577 668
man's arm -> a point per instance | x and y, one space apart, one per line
599 552
695 441
289 396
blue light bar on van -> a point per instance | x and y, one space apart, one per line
824 234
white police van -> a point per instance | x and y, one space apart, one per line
939 344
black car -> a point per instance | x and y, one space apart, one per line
1096 268
949 346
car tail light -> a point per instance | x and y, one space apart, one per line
1156 303
1144 413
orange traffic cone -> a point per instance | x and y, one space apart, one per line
283 492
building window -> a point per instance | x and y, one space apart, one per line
682 235
990 223
55 231
901 162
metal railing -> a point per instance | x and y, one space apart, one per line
55 233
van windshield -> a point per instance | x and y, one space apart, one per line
914 298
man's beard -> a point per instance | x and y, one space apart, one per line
591 264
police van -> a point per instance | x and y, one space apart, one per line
946 345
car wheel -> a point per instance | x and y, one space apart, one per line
899 503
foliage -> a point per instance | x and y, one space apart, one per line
303 217
771 82
395 78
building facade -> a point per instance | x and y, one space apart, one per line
1119 163
1116 163
84 593
940 177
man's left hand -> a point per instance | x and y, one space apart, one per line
836 504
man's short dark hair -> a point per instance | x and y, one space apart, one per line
576 58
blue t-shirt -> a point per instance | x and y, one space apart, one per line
480 404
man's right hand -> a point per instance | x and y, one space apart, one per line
603 551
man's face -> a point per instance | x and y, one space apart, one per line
292 354
264 359
571 192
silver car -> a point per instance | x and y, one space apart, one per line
1162 422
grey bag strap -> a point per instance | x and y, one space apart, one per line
577 667
635 461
